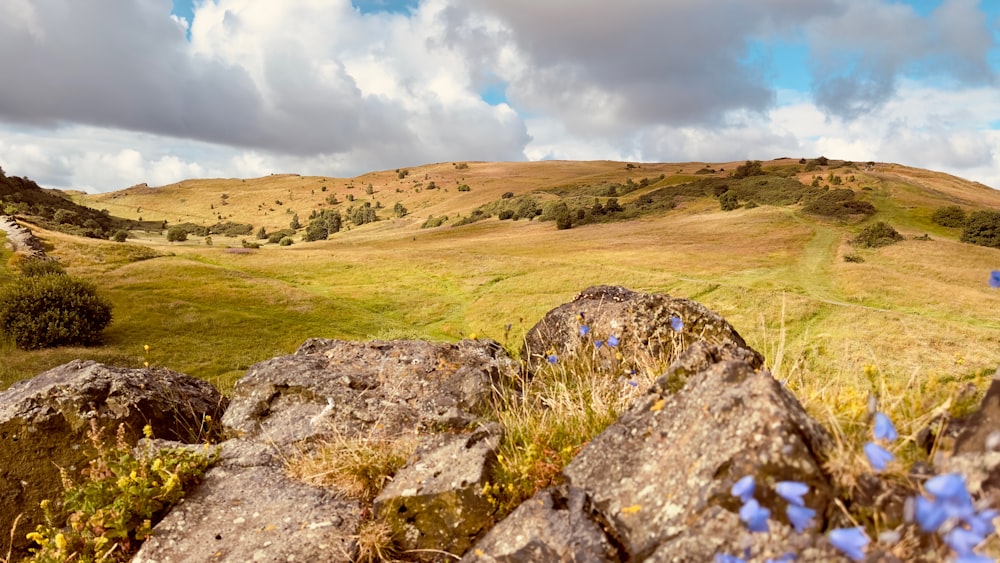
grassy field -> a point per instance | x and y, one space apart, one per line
918 313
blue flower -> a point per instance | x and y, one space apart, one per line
633 383
791 491
800 517
553 358
598 343
743 488
786 558
884 430
982 523
950 492
726 558
850 541
677 324
995 278
613 341
584 330
877 456
974 558
929 514
755 516
962 541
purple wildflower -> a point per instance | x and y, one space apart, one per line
584 330
677 324
755 516
553 358
884 429
613 341
743 488
995 278
850 541
878 456
801 517
791 491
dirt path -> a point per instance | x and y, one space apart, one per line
20 238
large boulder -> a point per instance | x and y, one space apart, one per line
248 509
333 387
44 422
642 322
437 499
660 476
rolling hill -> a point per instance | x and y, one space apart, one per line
914 322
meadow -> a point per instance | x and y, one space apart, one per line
915 323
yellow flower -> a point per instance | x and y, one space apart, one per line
60 542
146 347
147 431
145 364
157 464
473 336
36 537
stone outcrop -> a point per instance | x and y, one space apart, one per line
44 423
641 321
654 486
21 239
332 387
659 477
248 509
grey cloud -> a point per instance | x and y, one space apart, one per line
667 62
860 53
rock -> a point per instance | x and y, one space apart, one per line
557 524
356 388
248 509
641 321
44 423
976 453
661 475
980 432
437 498
20 238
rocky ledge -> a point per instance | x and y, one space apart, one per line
654 486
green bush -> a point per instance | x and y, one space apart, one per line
983 228
120 236
950 216
287 241
52 310
34 267
275 237
855 258
877 235
176 234
729 201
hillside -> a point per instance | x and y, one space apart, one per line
914 321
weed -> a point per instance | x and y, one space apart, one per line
107 516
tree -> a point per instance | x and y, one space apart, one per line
295 222
399 210
176 234
52 310
316 230
751 168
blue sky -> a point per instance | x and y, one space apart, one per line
103 96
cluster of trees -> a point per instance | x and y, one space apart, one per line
978 227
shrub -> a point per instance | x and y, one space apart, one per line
751 168
464 188
34 267
983 228
507 195
52 310
950 216
295 222
433 221
176 234
855 258
120 236
316 230
729 201
275 237
877 235
399 209
505 214
286 241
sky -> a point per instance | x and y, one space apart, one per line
105 94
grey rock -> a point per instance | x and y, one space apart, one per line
20 238
437 498
248 509
674 457
641 321
980 432
359 388
44 423
557 524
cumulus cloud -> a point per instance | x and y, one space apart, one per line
104 95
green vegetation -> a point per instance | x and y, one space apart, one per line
950 216
877 235
108 515
44 308
983 228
